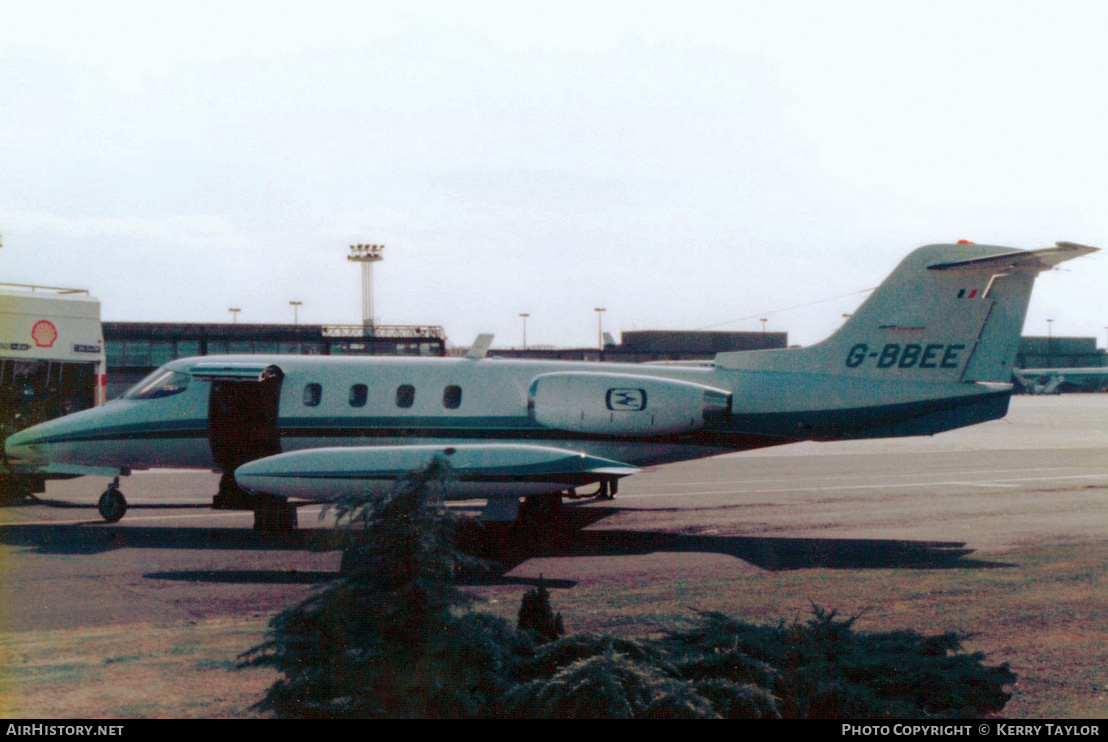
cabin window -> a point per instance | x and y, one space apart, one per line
405 395
358 394
313 393
452 397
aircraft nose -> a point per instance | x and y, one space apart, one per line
20 451
55 446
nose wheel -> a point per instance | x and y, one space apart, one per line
112 505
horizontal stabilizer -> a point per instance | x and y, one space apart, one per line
1041 260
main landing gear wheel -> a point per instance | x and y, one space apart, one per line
606 489
112 504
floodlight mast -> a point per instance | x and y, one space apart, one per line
367 255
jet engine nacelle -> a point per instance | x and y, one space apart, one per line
623 404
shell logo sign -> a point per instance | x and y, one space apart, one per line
44 334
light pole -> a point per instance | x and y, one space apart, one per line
235 313
600 326
367 255
763 320
296 311
524 315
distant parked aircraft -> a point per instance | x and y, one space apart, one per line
1050 380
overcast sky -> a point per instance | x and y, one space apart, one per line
683 165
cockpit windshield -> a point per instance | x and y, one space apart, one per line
162 383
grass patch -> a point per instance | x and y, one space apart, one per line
1042 613
132 671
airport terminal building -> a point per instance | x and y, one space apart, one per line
134 349
1060 352
649 346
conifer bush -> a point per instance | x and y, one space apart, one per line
387 639
395 637
823 668
537 616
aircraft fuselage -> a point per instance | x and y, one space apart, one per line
384 401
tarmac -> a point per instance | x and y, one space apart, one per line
1040 476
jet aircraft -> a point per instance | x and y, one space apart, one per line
1050 380
931 349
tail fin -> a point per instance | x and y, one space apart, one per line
948 313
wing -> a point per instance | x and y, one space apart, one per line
478 470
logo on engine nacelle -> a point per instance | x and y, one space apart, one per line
626 400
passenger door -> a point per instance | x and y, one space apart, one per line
242 412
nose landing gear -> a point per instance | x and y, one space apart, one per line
112 505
